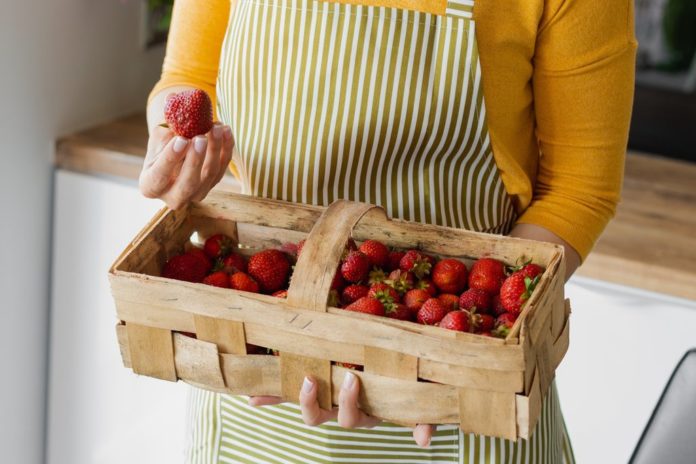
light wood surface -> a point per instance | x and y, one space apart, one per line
650 244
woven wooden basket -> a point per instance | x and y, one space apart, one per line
412 373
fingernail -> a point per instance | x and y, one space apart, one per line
199 144
307 385
179 144
217 131
348 381
227 132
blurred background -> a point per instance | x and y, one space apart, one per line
75 76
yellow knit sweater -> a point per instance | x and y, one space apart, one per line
558 85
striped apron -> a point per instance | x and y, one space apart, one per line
332 100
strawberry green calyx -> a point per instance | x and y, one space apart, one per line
376 276
529 285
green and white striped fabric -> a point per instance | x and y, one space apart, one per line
331 100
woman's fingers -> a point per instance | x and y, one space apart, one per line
423 434
226 154
264 400
349 414
211 163
156 176
312 414
188 182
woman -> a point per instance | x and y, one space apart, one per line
383 101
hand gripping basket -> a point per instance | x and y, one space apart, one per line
412 373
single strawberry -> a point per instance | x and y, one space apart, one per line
450 275
496 306
475 298
377 252
218 279
401 281
414 299
218 246
187 267
532 270
384 293
353 293
432 312
450 300
280 294
418 263
338 283
400 311
234 262
456 320
487 274
189 113
376 276
355 267
270 268
516 290
394 259
427 285
481 322
243 282
355 367
200 254
367 305
503 324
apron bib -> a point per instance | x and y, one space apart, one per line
333 100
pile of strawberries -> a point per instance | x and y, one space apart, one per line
408 285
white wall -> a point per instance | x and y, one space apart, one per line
64 65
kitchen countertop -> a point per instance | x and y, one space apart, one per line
650 244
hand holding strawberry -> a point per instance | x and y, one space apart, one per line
182 165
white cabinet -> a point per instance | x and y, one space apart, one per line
624 344
100 412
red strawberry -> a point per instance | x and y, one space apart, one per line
338 283
234 263
367 305
414 299
355 267
503 324
516 290
400 311
427 285
200 254
450 275
532 270
280 294
384 293
218 279
353 293
482 322
475 298
187 267
243 282
496 307
394 259
270 268
432 312
189 113
450 300
218 246
377 252
456 320
487 274
416 262
401 281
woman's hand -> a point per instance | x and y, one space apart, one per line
347 414
178 170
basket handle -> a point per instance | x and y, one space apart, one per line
311 281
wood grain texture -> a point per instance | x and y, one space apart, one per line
650 243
